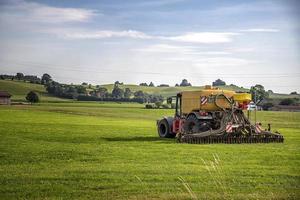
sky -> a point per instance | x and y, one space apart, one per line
243 42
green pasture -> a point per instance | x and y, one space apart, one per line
19 90
168 91
75 150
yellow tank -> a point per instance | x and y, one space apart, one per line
210 99
242 97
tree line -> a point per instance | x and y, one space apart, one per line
85 92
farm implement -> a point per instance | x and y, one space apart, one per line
214 116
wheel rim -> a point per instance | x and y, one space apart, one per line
162 129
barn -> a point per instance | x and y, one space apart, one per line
4 98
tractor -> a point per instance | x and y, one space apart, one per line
213 115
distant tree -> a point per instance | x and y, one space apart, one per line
258 93
143 84
46 78
287 102
101 92
270 92
293 93
155 98
84 83
151 84
119 83
32 97
19 76
32 79
127 93
81 89
163 85
117 92
185 83
139 94
218 82
267 106
176 85
71 89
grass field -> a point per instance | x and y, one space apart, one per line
19 90
111 151
169 91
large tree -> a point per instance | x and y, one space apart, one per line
117 92
139 94
258 93
81 89
102 92
46 78
127 93
218 82
19 76
151 84
185 83
32 97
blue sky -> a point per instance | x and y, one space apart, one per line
164 41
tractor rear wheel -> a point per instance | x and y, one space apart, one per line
164 129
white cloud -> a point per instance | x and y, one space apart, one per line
205 37
164 48
94 34
271 30
195 37
176 49
21 10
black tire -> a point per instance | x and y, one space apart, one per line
191 125
164 129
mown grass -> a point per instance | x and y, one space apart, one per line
111 151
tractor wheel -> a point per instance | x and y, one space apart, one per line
191 124
164 130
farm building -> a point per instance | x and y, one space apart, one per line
4 98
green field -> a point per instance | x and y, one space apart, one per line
169 91
19 90
111 151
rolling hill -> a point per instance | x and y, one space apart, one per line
19 89
169 91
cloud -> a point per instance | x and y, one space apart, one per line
194 37
176 49
101 34
20 10
271 30
205 37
